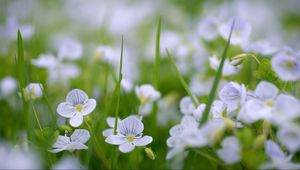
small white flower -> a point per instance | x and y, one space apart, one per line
106 54
286 65
33 90
289 136
62 73
262 47
111 123
240 33
146 93
233 94
186 105
279 160
228 69
76 106
8 86
230 152
75 142
197 113
45 61
208 28
70 49
129 135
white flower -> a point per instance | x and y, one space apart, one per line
240 33
76 106
230 152
106 54
129 135
279 160
197 113
228 69
233 94
286 65
75 142
61 73
146 93
34 90
68 162
289 136
70 49
45 61
262 47
111 123
262 106
8 86
186 105
208 28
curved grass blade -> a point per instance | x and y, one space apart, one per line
218 75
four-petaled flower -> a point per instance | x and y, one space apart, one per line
129 135
76 106
75 142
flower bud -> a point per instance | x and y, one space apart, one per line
238 59
260 140
150 153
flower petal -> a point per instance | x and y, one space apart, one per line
61 142
66 110
76 96
126 147
76 146
266 90
89 106
115 140
131 126
111 121
80 135
145 140
76 120
108 132
274 151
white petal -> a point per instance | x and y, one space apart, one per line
57 150
61 142
266 90
76 146
66 110
274 151
108 132
145 140
80 135
174 151
126 147
76 96
111 121
115 140
76 120
197 113
186 105
176 130
131 126
89 106
288 106
189 122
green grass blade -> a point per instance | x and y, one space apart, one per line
119 89
181 79
157 54
218 75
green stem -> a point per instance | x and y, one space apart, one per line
157 54
36 116
218 76
181 79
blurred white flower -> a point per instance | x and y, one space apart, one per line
45 61
230 152
8 86
111 123
68 162
228 69
11 27
240 33
16 158
76 106
129 135
286 65
106 54
262 47
278 158
146 93
208 28
289 136
75 142
70 49
233 94
33 91
186 105
197 113
126 85
62 73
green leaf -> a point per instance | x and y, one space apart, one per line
157 54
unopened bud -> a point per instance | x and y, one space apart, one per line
260 140
238 59
229 123
150 153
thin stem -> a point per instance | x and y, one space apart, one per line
36 116
181 79
157 54
119 90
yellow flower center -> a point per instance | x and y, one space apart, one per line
79 108
269 103
289 64
130 138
